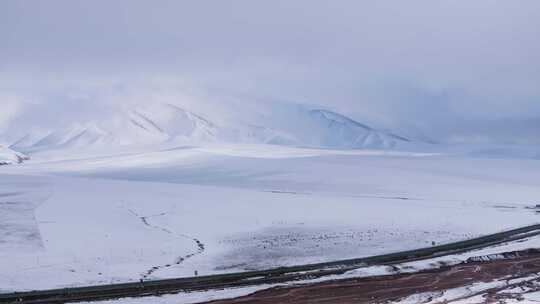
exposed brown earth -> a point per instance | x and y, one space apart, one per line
384 289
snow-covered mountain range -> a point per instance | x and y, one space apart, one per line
167 124
134 127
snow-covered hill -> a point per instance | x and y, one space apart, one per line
8 156
138 126
338 131
164 124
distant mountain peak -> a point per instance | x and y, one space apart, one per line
334 117
8 156
339 131
168 124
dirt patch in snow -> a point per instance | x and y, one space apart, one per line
500 273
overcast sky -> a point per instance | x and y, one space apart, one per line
456 69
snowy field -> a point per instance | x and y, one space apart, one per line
468 294
225 208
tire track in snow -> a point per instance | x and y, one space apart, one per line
200 245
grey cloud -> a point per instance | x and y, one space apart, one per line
433 66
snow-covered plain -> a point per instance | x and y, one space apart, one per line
217 208
463 295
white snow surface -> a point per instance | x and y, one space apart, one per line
8 156
215 208
456 295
